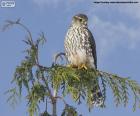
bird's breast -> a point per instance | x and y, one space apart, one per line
75 47
78 57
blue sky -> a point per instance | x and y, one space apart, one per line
116 29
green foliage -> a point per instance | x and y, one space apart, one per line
37 94
40 82
13 94
45 114
69 111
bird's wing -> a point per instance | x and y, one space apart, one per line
92 46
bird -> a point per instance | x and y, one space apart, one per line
80 50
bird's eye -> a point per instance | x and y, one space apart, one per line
80 20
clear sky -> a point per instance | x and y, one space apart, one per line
116 29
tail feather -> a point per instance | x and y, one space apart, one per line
97 97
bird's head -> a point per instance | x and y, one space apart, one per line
80 20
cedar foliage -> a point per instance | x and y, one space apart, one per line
41 81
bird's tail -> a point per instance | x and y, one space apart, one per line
97 97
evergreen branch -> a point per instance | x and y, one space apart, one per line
13 94
69 111
40 81
10 23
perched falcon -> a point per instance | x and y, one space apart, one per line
80 49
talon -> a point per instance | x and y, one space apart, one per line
83 66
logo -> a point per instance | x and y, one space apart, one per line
7 4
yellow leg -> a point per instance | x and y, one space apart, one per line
83 66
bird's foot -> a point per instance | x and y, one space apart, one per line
83 66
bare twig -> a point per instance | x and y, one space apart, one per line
59 97
57 56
